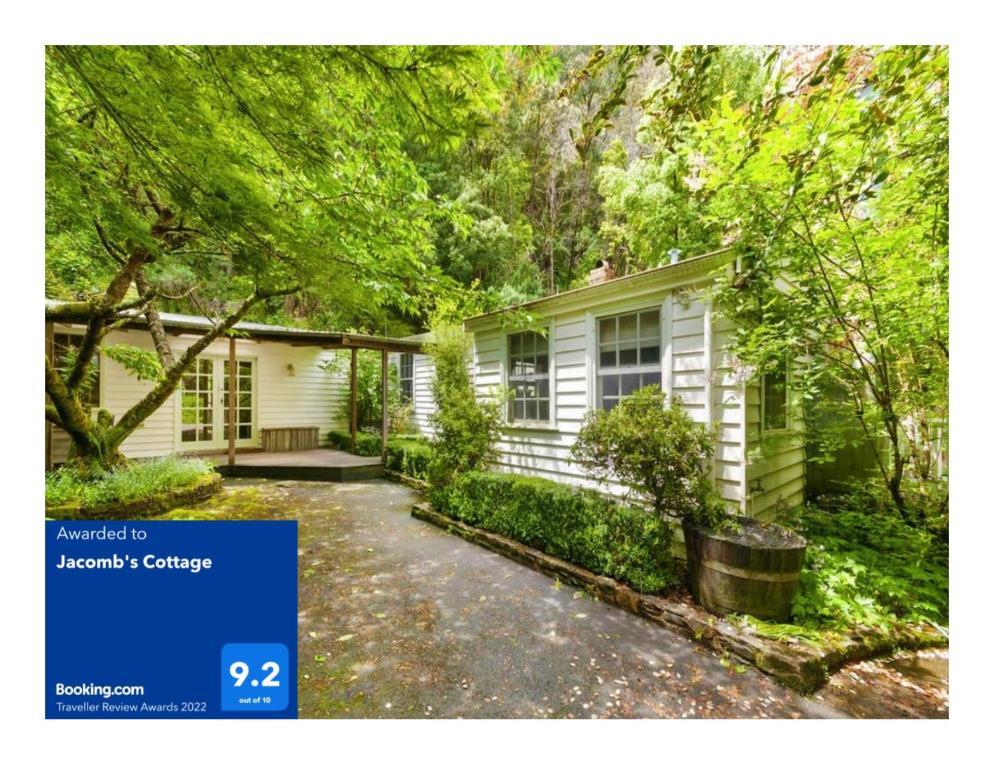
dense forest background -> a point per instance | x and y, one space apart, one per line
389 189
556 158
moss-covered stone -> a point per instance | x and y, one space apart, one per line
152 506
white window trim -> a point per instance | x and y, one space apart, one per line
532 425
401 379
662 306
763 430
220 387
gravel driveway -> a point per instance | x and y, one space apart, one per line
401 619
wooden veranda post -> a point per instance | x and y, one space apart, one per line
232 396
352 396
383 431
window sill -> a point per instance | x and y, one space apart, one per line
531 426
776 432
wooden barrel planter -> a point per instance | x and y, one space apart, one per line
752 567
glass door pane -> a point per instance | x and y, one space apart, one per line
244 401
197 411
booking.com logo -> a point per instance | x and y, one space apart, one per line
106 691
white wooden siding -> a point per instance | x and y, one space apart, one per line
775 466
424 401
308 398
694 368
727 395
697 366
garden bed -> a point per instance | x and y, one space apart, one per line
140 488
140 508
801 663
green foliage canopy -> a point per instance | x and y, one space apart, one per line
835 183
242 166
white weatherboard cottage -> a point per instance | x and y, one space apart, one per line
281 386
602 342
598 344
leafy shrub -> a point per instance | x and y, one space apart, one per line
133 481
410 457
577 525
369 389
466 429
401 416
661 454
869 569
366 443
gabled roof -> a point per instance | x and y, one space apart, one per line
618 288
177 323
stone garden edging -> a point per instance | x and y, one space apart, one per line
141 508
800 664
411 482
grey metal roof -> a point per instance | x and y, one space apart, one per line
686 266
178 323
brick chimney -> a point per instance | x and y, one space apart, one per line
601 273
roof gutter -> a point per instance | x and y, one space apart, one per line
667 275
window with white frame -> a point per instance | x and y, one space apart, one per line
528 377
628 355
64 347
405 375
773 399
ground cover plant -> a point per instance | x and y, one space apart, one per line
865 571
872 571
408 454
135 481
366 443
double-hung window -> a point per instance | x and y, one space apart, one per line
628 355
773 399
528 377
405 373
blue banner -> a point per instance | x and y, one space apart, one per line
171 619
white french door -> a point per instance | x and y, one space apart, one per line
203 406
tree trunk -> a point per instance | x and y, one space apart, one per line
96 445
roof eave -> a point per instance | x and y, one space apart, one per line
656 278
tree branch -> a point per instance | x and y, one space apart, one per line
170 378
159 339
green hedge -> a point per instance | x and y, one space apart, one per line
366 443
577 525
409 456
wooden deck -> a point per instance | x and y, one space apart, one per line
325 464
